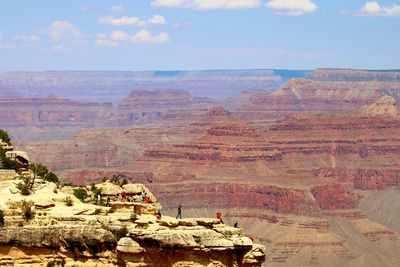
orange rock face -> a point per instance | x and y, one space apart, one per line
225 195
334 196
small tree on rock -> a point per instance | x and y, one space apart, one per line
5 137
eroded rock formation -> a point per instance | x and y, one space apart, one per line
51 226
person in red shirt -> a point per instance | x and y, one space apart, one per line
219 217
123 196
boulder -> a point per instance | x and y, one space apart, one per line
255 255
133 188
127 245
242 241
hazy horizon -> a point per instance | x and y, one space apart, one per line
194 70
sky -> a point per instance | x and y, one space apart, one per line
39 35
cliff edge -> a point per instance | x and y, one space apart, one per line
109 224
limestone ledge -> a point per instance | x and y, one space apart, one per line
124 234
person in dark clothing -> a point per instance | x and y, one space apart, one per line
235 224
179 212
158 215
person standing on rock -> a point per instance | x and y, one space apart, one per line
144 194
179 212
98 199
158 215
219 216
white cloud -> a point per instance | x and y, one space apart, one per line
122 21
26 38
105 43
132 21
64 35
207 4
292 7
119 37
144 36
374 9
170 3
157 20
117 9
61 30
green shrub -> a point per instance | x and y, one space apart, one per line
51 177
9 164
24 189
27 212
95 190
120 233
115 179
97 211
40 170
92 187
80 193
5 137
68 201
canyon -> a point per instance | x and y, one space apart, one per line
300 168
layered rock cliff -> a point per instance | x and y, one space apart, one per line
52 110
326 90
52 227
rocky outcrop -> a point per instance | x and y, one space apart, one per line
383 107
124 233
